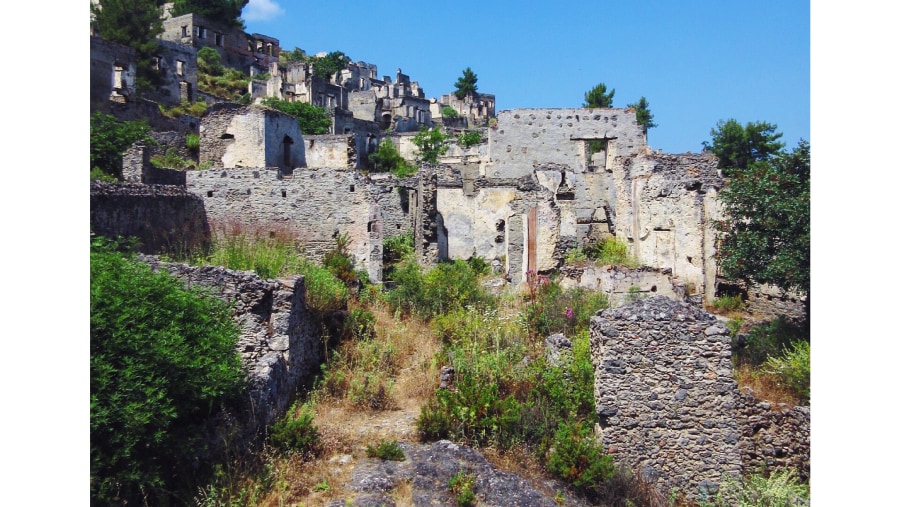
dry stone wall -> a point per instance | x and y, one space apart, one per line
316 204
164 218
232 135
669 406
279 343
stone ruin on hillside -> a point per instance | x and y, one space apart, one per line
669 406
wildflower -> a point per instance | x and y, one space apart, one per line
569 313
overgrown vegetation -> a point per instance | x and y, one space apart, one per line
462 484
470 138
387 450
781 488
295 432
449 112
226 12
196 109
325 67
313 120
386 158
774 359
163 362
431 144
109 140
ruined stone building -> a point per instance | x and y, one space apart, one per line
475 108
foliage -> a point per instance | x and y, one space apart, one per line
326 66
197 109
398 247
231 85
766 233
642 111
227 12
444 288
192 142
610 251
338 261
550 309
269 257
324 291
170 160
466 84
163 361
388 450
98 175
578 458
109 140
470 138
728 303
779 489
360 324
462 484
431 144
576 254
297 55
136 24
387 158
792 368
313 120
209 61
737 147
295 431
598 97
768 340
449 112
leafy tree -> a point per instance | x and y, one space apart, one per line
387 158
465 85
470 138
109 140
326 66
767 230
449 112
163 360
133 23
297 55
738 146
209 61
431 144
227 12
598 97
313 120
642 111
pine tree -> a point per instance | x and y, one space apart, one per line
466 84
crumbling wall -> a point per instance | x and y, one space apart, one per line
317 204
136 168
106 57
279 343
622 285
669 406
164 218
666 207
330 151
232 135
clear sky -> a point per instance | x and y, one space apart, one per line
696 62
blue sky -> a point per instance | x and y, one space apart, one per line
696 62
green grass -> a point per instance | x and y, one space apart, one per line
387 450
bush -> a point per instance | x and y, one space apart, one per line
449 112
163 361
324 291
792 368
170 160
386 158
470 138
462 484
431 144
767 340
728 303
209 61
192 142
552 310
386 450
109 140
360 324
444 288
578 458
313 120
338 262
611 251
779 489
295 432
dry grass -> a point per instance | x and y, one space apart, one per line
764 386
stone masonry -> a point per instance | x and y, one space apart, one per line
669 406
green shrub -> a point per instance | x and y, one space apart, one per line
192 142
470 138
98 175
209 61
576 254
611 251
792 368
728 303
578 458
768 340
313 120
779 489
324 291
338 262
163 361
444 288
449 112
386 158
295 431
170 160
398 247
196 109
360 324
431 144
462 484
550 309
386 450
109 140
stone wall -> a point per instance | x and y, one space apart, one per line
621 285
105 85
232 135
331 151
316 204
669 406
279 344
665 209
136 168
165 219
